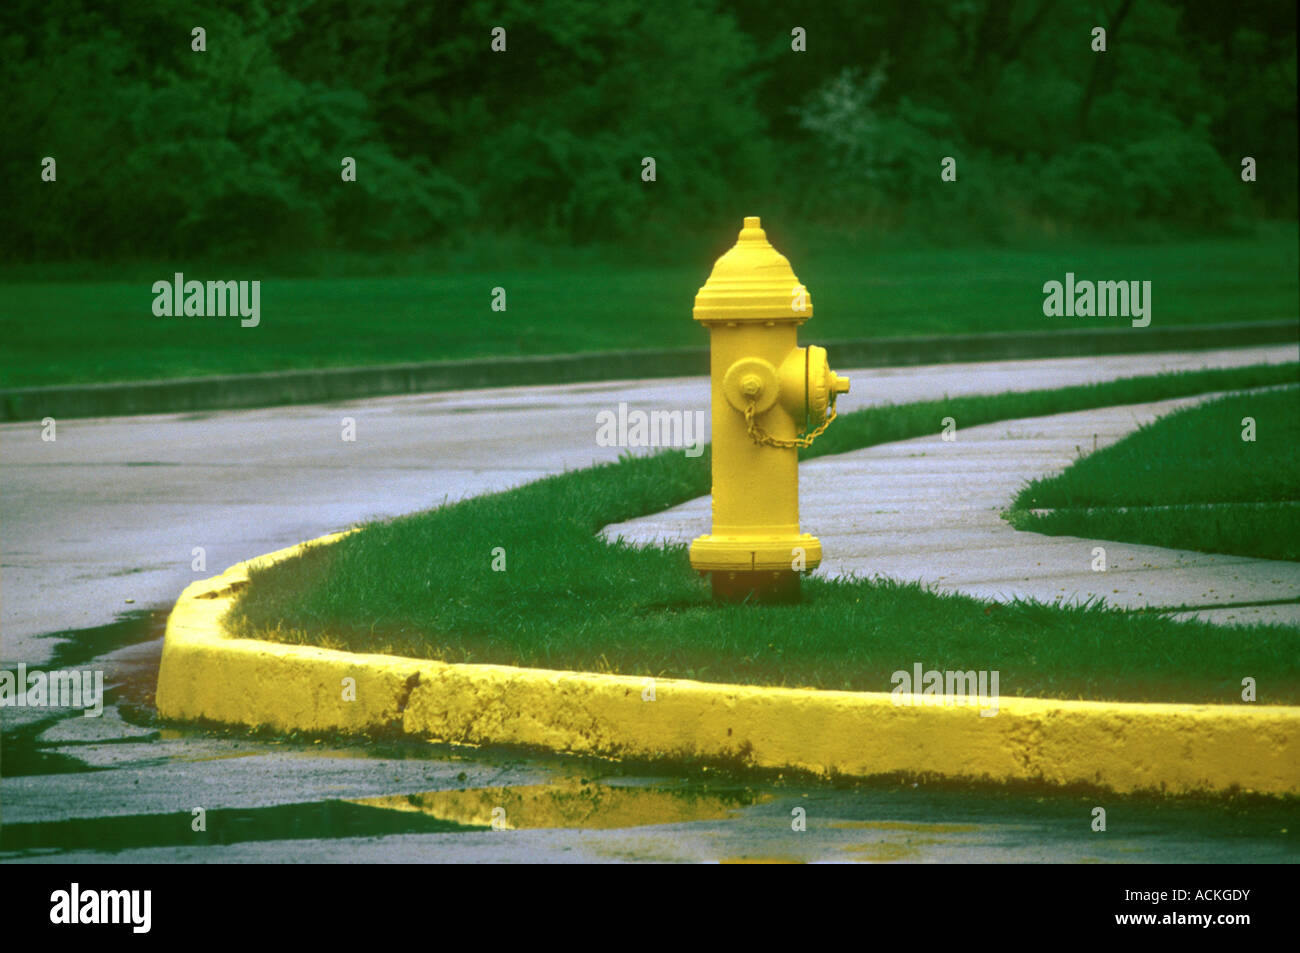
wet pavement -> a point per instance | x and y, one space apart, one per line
99 535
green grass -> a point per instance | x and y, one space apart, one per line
1186 481
423 586
69 331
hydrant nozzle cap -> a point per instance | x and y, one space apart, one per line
753 282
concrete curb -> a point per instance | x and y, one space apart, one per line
1121 747
237 391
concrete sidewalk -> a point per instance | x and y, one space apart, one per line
927 510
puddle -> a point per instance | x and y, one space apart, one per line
874 823
901 841
566 804
79 646
21 754
572 804
130 680
324 819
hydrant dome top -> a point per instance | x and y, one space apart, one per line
753 282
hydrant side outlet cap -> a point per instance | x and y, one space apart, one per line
753 282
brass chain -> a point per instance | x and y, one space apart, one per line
765 439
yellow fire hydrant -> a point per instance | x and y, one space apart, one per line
770 397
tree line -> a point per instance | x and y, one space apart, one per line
841 115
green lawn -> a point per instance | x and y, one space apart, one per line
423 586
65 331
1186 481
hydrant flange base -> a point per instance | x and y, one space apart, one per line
733 553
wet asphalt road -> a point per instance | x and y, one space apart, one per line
102 517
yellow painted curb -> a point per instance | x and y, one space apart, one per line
1122 747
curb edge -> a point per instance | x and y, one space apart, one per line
1122 747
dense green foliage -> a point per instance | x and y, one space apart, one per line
423 586
236 150
1187 481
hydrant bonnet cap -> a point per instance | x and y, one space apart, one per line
753 282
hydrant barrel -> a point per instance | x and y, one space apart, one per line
769 397
760 489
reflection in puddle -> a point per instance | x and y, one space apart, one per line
886 851
905 827
571 804
761 860
222 826
903 845
565 804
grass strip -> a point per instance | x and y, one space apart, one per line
577 301
423 586
1190 480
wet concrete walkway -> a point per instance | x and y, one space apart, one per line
928 510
